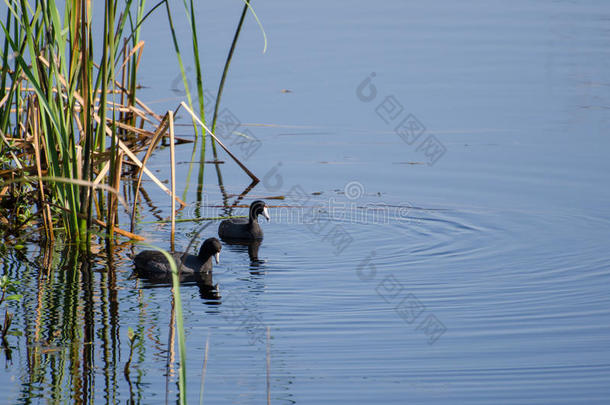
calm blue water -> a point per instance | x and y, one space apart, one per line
467 267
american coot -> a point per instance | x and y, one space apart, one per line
152 264
242 228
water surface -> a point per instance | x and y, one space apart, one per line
386 275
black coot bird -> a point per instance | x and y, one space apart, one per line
152 263
242 228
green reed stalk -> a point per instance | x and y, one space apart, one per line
187 89
190 12
225 70
134 67
179 324
179 57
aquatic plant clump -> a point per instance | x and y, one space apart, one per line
70 125
67 121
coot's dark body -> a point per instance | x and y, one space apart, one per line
207 289
244 229
153 264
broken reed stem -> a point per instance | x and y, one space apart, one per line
120 231
222 145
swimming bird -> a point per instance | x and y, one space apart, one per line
242 228
153 264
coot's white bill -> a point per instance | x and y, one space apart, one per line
266 213
217 257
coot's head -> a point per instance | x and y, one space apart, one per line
257 208
211 247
